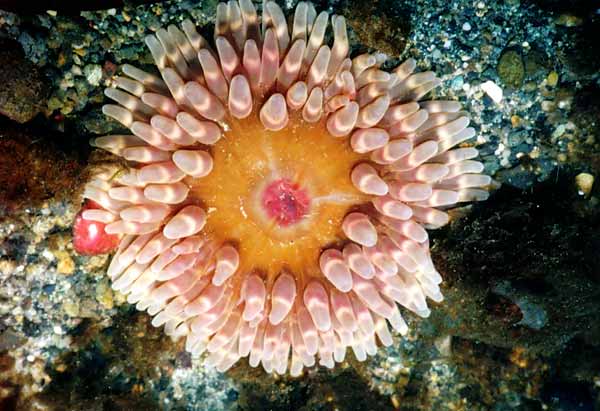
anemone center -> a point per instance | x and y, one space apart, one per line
279 196
285 202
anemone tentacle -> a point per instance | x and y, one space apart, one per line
278 191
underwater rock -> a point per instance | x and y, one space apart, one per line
379 25
475 354
33 169
511 69
584 182
24 90
551 282
578 28
536 63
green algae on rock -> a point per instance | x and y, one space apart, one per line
511 69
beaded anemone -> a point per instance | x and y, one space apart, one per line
277 191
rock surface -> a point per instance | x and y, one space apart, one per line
518 329
24 92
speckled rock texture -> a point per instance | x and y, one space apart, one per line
24 92
34 170
518 329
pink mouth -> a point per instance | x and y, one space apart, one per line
285 202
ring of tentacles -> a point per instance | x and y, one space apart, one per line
277 192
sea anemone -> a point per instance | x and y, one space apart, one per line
277 192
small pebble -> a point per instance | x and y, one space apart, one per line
516 121
104 295
552 79
584 183
93 74
71 308
548 106
466 26
457 83
568 20
65 264
493 91
559 131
